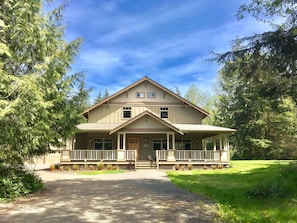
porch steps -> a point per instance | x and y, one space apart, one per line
145 164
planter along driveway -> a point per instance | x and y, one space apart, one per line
136 196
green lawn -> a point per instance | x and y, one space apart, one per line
248 191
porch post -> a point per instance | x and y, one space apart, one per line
170 152
214 143
124 141
173 141
119 141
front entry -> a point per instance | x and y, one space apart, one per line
134 144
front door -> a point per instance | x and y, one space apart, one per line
134 144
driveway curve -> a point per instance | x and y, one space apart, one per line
134 196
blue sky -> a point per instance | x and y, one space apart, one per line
166 40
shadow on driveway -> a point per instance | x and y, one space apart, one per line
107 199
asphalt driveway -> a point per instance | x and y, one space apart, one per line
136 196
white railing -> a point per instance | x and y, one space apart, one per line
162 154
130 154
201 155
107 155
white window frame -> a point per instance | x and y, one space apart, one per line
140 95
151 94
125 110
164 110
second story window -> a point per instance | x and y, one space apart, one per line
164 112
126 112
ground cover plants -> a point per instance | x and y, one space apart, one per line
248 191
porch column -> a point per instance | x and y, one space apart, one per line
119 141
170 156
173 141
124 141
214 142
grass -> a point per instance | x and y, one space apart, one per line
249 191
96 172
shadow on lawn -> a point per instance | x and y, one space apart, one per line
96 200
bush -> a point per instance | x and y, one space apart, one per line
177 167
91 167
109 167
190 166
16 182
74 167
100 166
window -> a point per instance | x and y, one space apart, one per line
183 144
151 94
140 94
159 144
103 144
164 112
126 112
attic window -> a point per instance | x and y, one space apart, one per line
164 112
126 112
140 94
151 94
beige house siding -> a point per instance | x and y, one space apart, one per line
113 113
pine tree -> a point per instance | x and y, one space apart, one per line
36 88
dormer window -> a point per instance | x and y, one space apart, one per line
126 112
164 112
140 94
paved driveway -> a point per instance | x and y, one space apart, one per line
136 196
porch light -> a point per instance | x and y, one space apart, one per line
145 140
90 140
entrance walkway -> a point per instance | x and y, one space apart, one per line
135 196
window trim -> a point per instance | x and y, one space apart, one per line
164 110
151 94
126 109
140 94
104 141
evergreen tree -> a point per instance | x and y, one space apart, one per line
37 106
202 99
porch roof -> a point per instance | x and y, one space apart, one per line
203 128
97 126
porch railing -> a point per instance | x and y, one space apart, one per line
203 155
97 155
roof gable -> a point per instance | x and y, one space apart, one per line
145 80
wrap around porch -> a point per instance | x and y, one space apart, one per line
164 156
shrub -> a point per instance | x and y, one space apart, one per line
75 167
91 167
115 167
52 167
182 167
190 166
177 167
15 182
109 167
61 168
100 166
57 166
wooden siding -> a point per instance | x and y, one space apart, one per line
112 113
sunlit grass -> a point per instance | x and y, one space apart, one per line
230 189
97 172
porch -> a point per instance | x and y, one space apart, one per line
162 158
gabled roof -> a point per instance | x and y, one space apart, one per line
150 114
146 79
